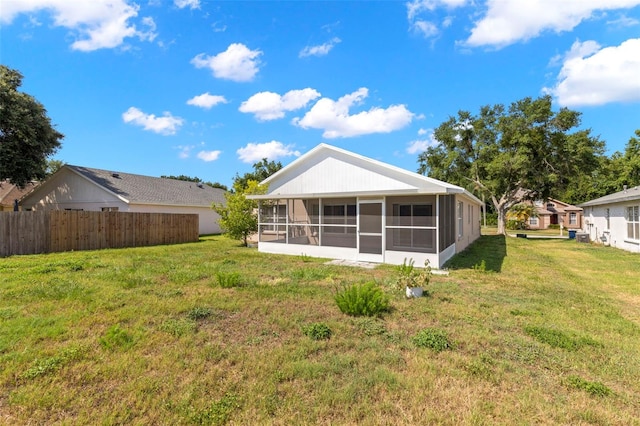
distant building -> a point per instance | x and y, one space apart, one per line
10 193
83 188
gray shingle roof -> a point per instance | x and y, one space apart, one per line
630 194
138 189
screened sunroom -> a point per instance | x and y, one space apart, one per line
375 212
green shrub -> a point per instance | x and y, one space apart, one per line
317 331
593 388
365 299
115 337
432 338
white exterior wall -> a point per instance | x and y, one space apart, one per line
595 224
67 190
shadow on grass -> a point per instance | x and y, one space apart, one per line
488 250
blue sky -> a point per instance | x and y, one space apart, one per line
204 88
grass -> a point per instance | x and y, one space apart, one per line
546 332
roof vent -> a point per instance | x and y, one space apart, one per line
115 175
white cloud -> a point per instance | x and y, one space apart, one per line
427 28
333 117
507 22
594 76
271 106
165 125
192 4
421 145
273 150
206 100
97 24
208 155
185 151
237 63
320 50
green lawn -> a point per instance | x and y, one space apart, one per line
538 332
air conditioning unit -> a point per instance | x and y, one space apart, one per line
582 237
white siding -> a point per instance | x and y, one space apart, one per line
616 234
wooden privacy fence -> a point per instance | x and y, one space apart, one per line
62 230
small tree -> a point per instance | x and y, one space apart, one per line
519 214
239 218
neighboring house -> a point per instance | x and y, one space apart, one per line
555 212
82 188
615 219
10 193
336 204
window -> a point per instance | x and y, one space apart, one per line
633 223
460 219
606 216
533 221
339 214
407 218
110 209
573 219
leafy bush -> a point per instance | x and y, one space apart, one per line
594 388
317 331
432 338
362 300
515 225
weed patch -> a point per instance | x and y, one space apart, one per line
116 338
592 388
179 327
317 331
559 339
433 338
366 299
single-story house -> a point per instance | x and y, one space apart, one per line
555 212
10 194
83 188
614 219
336 204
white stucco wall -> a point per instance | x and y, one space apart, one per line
616 234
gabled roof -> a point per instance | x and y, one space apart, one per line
10 192
629 194
139 189
327 171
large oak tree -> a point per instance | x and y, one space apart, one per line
27 137
525 151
